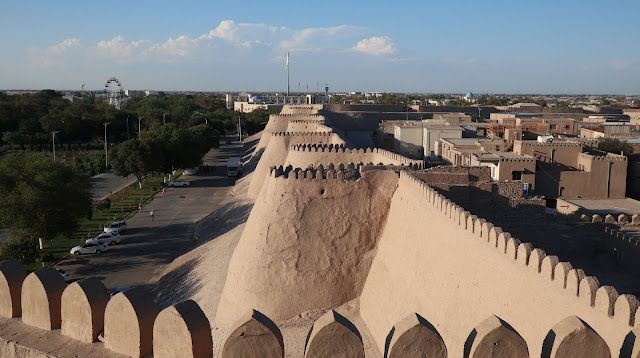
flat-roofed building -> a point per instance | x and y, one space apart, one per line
407 139
507 166
452 117
417 139
434 132
634 115
458 151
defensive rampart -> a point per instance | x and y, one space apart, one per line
301 109
580 319
456 270
303 155
308 125
308 242
278 149
280 123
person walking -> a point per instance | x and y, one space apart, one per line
152 215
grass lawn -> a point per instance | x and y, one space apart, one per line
123 204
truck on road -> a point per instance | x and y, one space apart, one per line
234 167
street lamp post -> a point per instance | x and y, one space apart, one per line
53 136
239 129
127 126
106 158
139 120
163 118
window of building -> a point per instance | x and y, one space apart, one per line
516 175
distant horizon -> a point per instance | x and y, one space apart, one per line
331 92
549 47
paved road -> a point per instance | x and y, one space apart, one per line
104 184
148 245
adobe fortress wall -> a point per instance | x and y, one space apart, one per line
276 123
456 270
304 155
278 148
308 243
301 109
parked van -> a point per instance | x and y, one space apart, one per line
234 167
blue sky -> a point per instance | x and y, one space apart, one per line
517 46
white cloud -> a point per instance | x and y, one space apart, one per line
180 47
52 54
64 45
118 48
313 37
376 45
243 34
270 40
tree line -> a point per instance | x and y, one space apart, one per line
30 119
163 149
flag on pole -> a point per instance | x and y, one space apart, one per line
286 63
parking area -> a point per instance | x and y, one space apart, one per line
150 242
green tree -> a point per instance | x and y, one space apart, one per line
388 98
162 149
131 157
40 198
613 145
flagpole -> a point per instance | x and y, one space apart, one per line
287 73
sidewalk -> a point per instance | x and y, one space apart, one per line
107 183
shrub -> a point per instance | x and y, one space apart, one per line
21 249
103 204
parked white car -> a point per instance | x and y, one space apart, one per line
89 249
116 226
178 183
107 238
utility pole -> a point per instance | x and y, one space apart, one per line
407 110
106 158
53 135
163 118
239 129
139 120
127 126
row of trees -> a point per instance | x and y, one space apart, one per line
163 149
30 119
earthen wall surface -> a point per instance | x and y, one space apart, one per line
309 242
469 261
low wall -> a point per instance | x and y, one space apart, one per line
301 109
303 155
456 270
278 149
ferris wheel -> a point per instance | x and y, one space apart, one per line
115 92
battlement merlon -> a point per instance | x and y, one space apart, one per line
376 156
289 134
